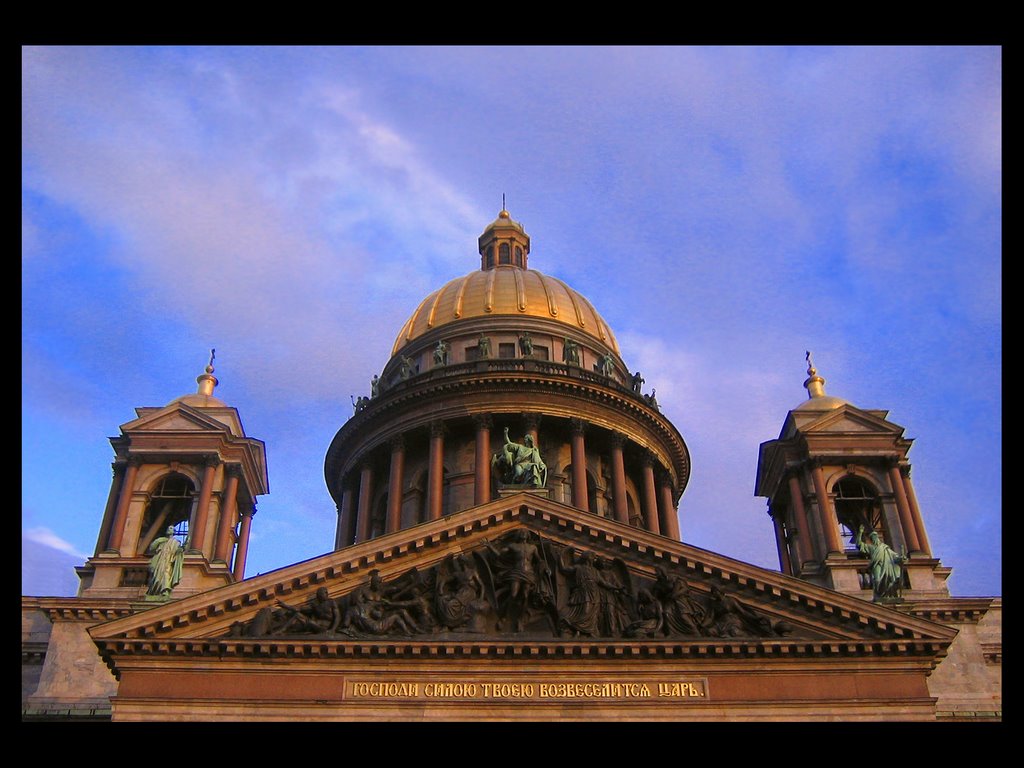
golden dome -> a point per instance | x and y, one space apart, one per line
506 291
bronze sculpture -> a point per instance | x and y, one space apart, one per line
165 564
520 463
885 563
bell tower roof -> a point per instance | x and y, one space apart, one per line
203 397
817 400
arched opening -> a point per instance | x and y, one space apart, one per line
414 500
857 504
633 512
170 505
504 254
379 517
591 489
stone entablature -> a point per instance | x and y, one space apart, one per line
842 657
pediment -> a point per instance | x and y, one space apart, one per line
178 417
848 419
479 574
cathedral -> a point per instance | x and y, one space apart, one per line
507 548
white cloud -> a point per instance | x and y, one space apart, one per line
45 536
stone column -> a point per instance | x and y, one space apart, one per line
667 509
395 481
482 471
580 497
619 479
121 514
197 532
243 543
650 495
780 542
435 471
804 543
346 519
915 513
903 507
826 515
108 511
365 498
228 514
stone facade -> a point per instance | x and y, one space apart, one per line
421 611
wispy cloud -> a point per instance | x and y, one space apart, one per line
49 538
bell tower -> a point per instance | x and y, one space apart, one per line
837 471
188 471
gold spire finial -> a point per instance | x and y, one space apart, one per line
815 385
207 381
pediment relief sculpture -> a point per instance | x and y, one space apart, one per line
519 585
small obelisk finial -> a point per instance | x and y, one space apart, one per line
207 381
815 385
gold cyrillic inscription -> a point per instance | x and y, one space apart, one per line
497 689
680 690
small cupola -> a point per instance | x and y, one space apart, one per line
504 243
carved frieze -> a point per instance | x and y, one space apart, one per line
519 585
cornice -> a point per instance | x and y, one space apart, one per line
953 610
597 649
842 619
81 608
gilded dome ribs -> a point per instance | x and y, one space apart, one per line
433 307
459 297
552 304
489 292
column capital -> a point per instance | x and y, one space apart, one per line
618 439
232 469
134 462
483 421
577 425
397 443
211 460
437 429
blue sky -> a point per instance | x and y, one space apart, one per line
725 209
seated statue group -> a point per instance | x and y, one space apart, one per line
519 585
